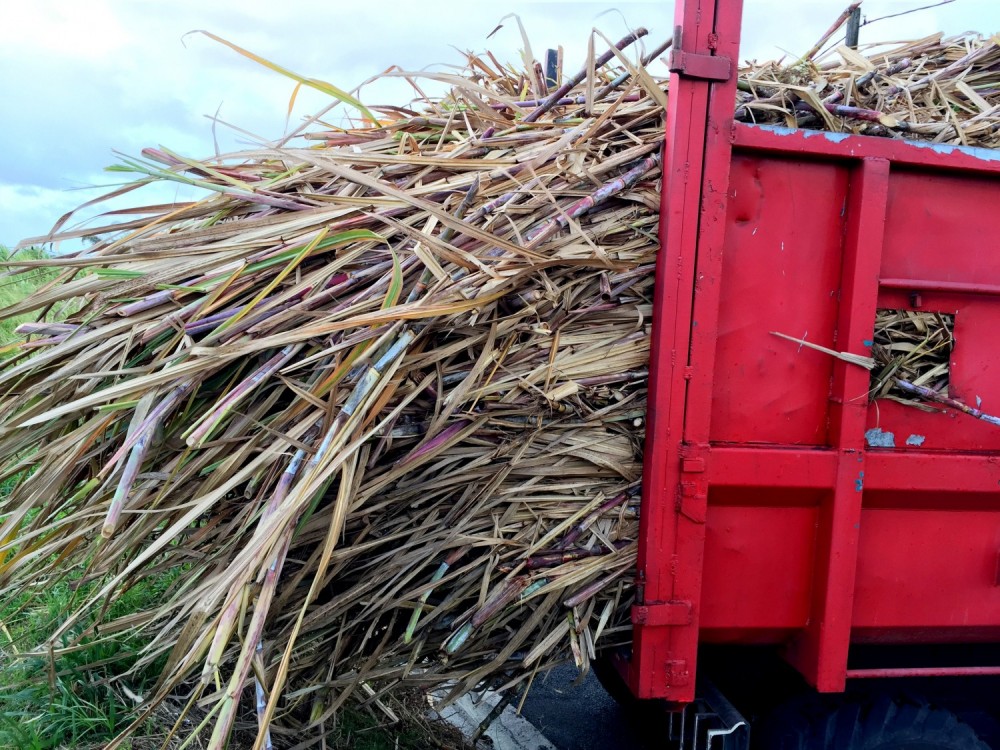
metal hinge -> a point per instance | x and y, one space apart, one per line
696 65
659 614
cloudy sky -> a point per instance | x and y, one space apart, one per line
81 79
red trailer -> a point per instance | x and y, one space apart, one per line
767 516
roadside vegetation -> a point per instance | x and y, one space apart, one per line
20 286
60 700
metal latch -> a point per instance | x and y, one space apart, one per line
695 65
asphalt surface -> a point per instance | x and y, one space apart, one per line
576 714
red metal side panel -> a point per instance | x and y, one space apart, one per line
767 545
937 235
924 570
782 261
926 209
766 516
974 378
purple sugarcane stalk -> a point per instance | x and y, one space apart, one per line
263 603
853 113
255 630
437 441
210 321
841 20
250 321
53 329
503 596
501 201
146 303
154 416
545 230
167 321
577 531
568 86
38 343
931 395
591 590
132 466
349 280
210 421
582 99
557 557
864 80
260 697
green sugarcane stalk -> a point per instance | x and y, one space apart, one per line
132 466
450 560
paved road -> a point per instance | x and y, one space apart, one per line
581 716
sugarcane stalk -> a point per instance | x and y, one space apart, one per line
566 100
148 303
834 27
200 431
542 232
136 456
54 329
154 417
573 82
591 590
255 630
453 557
561 556
929 394
580 529
260 700
858 113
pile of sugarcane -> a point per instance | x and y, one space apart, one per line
381 394
913 346
944 90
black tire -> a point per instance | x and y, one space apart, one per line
853 724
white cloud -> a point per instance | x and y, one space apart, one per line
80 79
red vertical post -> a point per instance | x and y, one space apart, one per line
693 207
820 653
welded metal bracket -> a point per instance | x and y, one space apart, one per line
658 614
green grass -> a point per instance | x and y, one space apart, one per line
80 705
17 288
85 706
